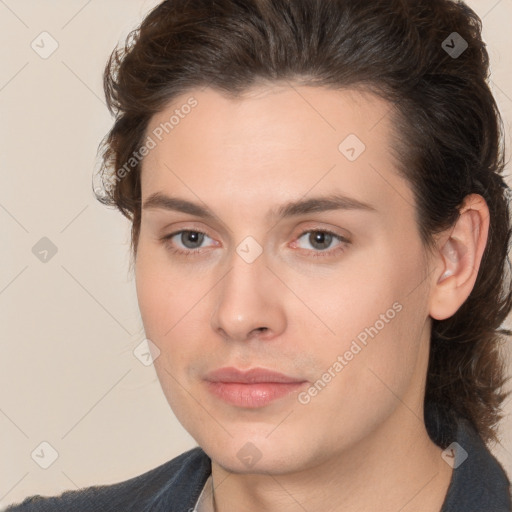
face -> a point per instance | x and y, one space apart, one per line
289 245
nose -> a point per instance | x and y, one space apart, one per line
248 303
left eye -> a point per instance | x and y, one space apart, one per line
321 240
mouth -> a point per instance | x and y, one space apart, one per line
252 388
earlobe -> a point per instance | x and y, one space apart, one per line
458 258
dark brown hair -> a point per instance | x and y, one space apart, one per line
448 130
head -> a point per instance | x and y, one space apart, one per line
243 107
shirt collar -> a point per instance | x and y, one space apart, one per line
205 501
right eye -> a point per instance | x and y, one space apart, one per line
190 241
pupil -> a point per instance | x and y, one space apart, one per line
324 239
193 237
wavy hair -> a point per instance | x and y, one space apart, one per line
448 131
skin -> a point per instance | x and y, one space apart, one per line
242 158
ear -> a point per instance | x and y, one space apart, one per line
457 258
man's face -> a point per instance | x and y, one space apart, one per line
335 299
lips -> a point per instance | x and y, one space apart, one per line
252 376
252 388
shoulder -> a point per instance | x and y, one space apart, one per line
175 485
479 482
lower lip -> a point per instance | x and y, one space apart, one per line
252 396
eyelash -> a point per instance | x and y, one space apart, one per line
315 254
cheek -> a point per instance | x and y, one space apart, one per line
163 293
150 292
166 315
160 300
169 303
365 370
377 318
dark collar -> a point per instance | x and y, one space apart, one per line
479 483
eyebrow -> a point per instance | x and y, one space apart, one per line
331 202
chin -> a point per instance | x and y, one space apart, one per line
262 466
257 455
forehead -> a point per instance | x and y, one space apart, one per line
275 143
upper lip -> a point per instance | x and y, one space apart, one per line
251 376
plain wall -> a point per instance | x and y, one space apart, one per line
69 325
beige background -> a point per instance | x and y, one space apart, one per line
69 326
